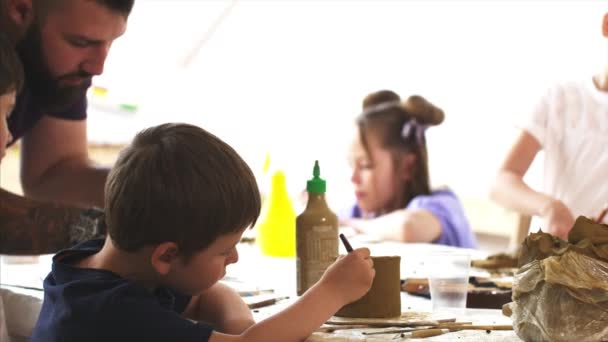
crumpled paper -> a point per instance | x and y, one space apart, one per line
560 292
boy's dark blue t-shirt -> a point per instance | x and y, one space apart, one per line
90 305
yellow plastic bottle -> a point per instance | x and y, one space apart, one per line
277 231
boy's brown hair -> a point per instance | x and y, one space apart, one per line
11 70
179 183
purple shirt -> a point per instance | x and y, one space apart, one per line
455 228
27 113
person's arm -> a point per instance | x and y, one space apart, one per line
55 164
346 280
404 225
30 227
510 190
221 307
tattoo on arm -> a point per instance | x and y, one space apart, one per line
29 227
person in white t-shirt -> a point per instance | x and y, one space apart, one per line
570 124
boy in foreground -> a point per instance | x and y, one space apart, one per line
177 202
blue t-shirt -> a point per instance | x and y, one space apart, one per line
455 228
91 305
28 112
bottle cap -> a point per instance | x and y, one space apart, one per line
316 185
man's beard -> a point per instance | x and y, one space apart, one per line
46 89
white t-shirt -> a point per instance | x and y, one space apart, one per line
571 124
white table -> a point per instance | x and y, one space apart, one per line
266 275
254 269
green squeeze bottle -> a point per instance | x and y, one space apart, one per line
316 235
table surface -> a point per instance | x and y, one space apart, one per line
255 271
413 257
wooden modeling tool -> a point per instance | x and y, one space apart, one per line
265 302
440 329
424 333
251 293
602 214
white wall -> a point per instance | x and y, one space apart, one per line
288 76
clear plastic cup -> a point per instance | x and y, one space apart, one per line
449 280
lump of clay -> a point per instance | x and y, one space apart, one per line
560 293
496 261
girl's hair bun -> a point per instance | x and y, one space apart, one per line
423 111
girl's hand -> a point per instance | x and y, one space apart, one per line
558 218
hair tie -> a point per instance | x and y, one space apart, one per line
412 129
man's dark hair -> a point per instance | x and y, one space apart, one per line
121 6
178 183
11 70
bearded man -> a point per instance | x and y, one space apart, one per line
62 45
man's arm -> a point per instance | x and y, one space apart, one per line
29 227
55 164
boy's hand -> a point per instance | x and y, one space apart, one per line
351 276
